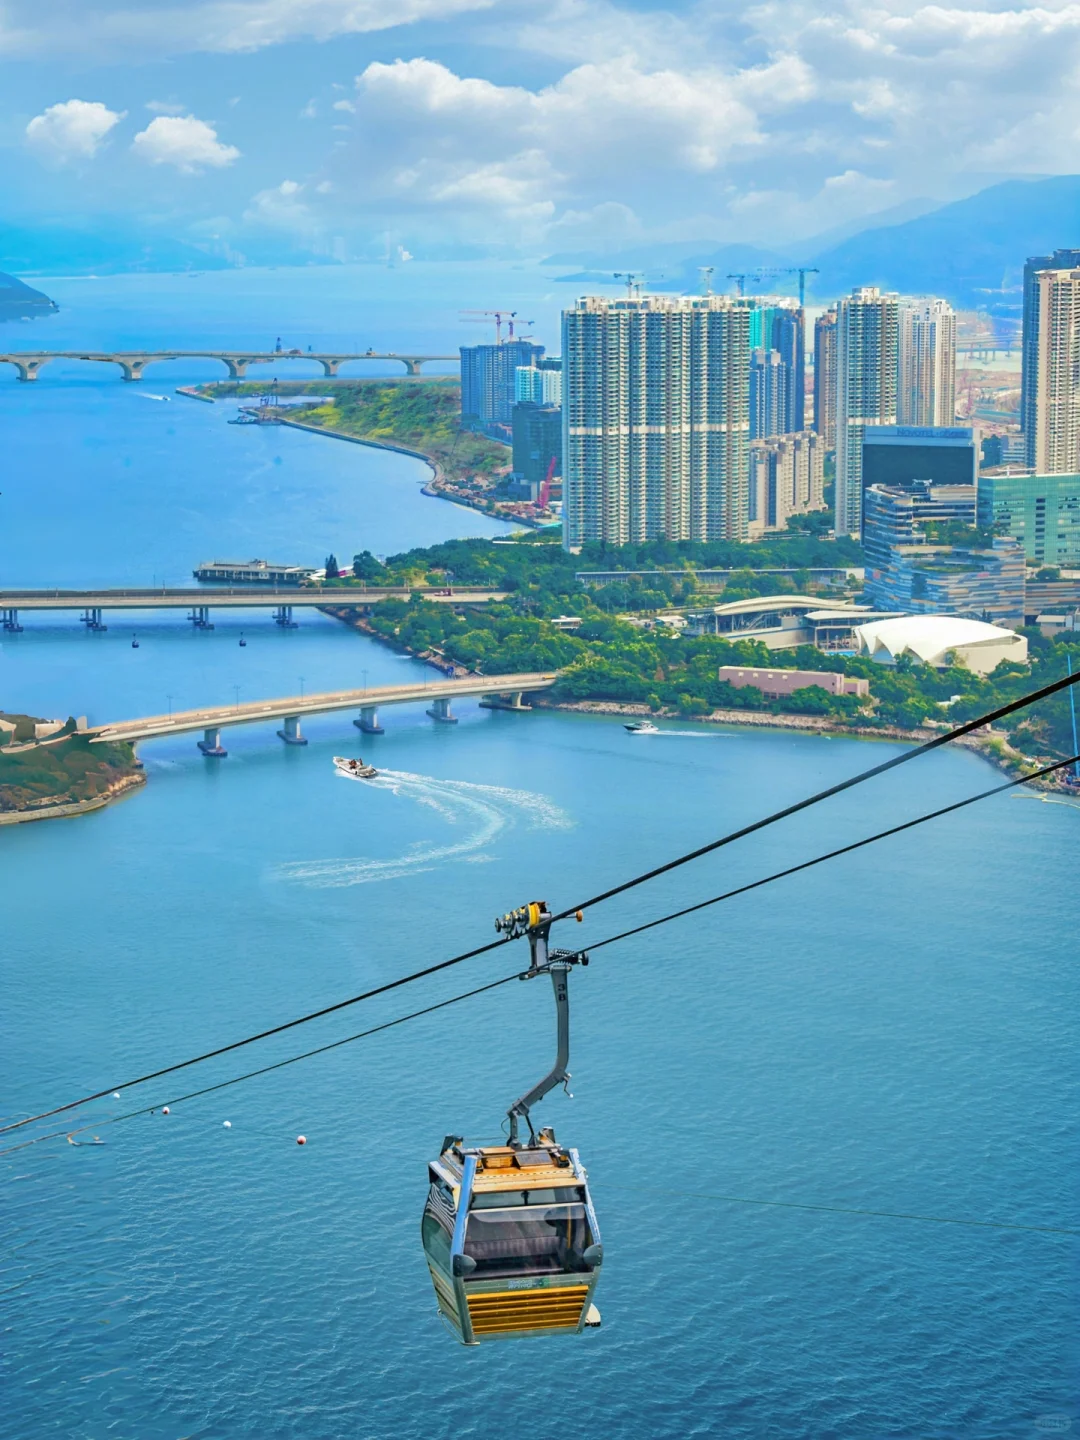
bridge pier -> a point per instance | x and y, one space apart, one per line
200 617
369 721
132 369
237 368
329 367
91 618
412 367
9 619
511 701
28 369
291 733
211 744
440 710
283 617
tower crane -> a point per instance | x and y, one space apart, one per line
481 317
706 277
800 270
632 279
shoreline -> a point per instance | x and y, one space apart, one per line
71 808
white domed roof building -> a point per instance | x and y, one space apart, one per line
940 639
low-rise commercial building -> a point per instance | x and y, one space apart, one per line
986 584
777 683
941 640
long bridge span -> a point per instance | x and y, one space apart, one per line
505 692
132 363
282 599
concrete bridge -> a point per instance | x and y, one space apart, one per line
133 362
505 692
281 599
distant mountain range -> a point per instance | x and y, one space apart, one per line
970 252
20 302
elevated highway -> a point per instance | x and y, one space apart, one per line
281 599
132 363
506 693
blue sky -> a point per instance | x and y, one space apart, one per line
323 125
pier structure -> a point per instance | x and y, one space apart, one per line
132 363
500 692
281 600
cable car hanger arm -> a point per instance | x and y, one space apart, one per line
534 920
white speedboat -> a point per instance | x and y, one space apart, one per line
642 727
355 769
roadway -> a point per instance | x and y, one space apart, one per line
133 362
292 707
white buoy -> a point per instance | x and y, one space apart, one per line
116 1094
227 1124
165 1109
301 1139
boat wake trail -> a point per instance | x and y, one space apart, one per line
486 811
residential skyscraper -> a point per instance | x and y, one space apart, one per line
538 385
825 377
777 324
867 344
1059 260
487 379
770 394
1054 441
656 424
926 388
787 477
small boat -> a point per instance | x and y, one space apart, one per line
242 640
355 769
134 643
642 727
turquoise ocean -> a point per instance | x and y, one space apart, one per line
888 1037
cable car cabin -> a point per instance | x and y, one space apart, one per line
511 1240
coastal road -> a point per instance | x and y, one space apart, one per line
291 708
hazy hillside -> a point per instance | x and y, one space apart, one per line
971 252
20 302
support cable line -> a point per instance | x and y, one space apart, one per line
832 854
263 1034
518 975
266 1069
903 759
577 909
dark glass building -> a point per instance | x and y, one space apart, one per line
905 456
537 440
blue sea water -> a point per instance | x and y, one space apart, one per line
892 1032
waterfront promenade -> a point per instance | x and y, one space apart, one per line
506 693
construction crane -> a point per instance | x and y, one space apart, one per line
481 317
706 278
800 270
632 279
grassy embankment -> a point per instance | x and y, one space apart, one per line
63 771
610 660
422 416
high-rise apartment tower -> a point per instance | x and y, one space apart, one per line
487 379
825 378
656 426
867 344
1054 441
1059 260
926 388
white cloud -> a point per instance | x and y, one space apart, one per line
72 130
184 141
282 207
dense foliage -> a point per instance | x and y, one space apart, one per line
609 659
59 773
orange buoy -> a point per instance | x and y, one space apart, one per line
301 1139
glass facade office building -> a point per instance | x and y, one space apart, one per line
1041 511
918 454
